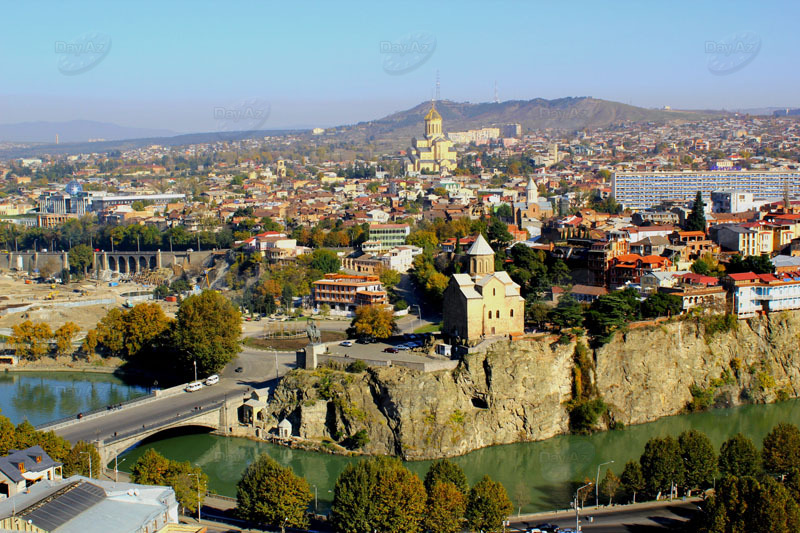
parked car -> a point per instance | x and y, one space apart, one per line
390 350
547 528
239 369
212 380
194 386
346 343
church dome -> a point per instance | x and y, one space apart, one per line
433 114
73 188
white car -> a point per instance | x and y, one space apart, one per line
346 343
194 386
212 380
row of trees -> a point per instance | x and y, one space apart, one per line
189 482
376 494
206 329
33 340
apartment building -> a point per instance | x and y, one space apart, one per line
387 236
763 293
343 293
642 190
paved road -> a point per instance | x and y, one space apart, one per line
644 518
258 371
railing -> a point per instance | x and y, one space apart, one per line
169 421
69 420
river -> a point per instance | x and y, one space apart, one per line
537 475
44 396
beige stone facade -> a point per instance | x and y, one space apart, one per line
434 152
482 303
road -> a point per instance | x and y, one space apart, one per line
644 518
258 370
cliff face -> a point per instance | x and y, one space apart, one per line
518 391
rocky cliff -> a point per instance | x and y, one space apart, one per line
520 391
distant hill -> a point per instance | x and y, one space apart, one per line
786 112
561 114
74 131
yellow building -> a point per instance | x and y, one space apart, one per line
482 303
434 152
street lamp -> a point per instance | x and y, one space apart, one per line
198 493
597 484
90 462
116 473
315 498
195 369
577 517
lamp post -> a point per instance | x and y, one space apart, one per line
195 369
198 493
90 462
577 508
315 499
116 473
597 484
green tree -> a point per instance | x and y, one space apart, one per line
739 457
80 258
497 234
378 494
187 481
609 486
781 449
444 470
662 464
488 506
699 459
373 321
426 240
759 264
77 460
445 509
568 313
150 469
632 479
326 261
207 329
696 221
271 494
662 304
389 278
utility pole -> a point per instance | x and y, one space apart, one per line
577 507
116 472
90 462
198 494
276 365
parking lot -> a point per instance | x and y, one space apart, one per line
376 350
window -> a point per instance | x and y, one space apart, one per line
511 313
490 314
494 292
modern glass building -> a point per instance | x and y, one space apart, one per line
641 190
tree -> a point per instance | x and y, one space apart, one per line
696 221
739 457
444 470
488 506
31 340
64 336
781 449
610 485
77 461
373 321
378 494
699 459
389 278
187 481
759 264
504 211
568 313
207 329
445 509
80 258
271 494
662 304
426 240
497 234
662 464
632 479
326 261
111 332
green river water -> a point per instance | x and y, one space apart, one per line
537 475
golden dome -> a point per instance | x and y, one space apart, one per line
433 114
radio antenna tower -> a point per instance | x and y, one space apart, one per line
496 98
438 86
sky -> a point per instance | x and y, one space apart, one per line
191 66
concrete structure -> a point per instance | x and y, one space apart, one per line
434 152
80 202
483 302
82 505
642 190
731 201
387 236
119 262
22 468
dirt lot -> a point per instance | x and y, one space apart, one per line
15 292
291 344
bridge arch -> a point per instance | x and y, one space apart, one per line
112 263
132 264
123 265
142 263
153 262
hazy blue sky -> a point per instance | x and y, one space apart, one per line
172 64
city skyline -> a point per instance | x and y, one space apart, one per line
185 67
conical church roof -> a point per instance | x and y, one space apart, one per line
480 247
433 114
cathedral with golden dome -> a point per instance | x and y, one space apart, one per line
433 153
